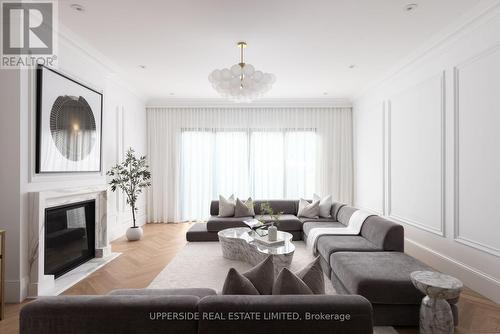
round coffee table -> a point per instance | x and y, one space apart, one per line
435 312
239 244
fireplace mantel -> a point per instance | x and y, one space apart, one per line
41 284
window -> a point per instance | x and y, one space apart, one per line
258 163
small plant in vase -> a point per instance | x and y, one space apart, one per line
266 209
131 176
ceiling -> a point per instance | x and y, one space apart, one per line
309 45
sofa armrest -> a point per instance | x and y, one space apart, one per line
286 314
384 233
106 314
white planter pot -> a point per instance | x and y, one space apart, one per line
134 233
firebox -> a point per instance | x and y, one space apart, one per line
69 236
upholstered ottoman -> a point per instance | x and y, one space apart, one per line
384 279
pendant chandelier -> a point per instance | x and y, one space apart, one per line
241 83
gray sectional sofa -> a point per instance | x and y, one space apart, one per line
372 264
150 311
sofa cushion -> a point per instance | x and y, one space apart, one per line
345 214
329 244
321 222
216 224
197 292
286 222
380 277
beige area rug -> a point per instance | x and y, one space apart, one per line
201 265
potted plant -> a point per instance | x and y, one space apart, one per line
131 176
266 209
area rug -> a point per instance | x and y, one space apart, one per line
201 265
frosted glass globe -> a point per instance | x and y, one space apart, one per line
236 70
226 74
248 69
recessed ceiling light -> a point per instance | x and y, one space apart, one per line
77 7
325 93
172 94
352 66
410 7
142 66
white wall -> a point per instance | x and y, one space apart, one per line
426 151
9 170
124 125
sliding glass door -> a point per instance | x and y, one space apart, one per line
263 164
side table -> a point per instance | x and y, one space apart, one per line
435 312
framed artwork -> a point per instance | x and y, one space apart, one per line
68 124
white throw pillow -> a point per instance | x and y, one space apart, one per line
325 205
308 210
226 206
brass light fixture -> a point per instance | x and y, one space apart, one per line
241 82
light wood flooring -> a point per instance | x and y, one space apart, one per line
141 261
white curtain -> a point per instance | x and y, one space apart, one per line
196 154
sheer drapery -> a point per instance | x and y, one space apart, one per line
197 153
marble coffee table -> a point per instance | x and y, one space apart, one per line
435 312
238 244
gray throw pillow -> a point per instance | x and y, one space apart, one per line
237 284
308 210
226 206
307 281
312 276
287 283
244 209
260 278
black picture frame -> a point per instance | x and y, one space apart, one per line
41 117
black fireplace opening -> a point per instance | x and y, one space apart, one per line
69 236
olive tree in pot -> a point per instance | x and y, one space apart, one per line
131 176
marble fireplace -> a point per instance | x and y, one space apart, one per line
41 284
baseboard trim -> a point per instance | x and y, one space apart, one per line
16 290
472 277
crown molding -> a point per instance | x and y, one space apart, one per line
68 37
481 13
261 103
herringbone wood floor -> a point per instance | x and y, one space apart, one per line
141 261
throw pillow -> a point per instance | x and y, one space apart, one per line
244 209
312 275
325 205
308 210
307 281
287 283
237 284
259 279
226 206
